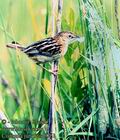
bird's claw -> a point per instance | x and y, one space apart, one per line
55 72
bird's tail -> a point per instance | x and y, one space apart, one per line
15 45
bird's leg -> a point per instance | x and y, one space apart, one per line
55 72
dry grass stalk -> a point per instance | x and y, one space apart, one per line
54 69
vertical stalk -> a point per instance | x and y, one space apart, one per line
54 70
58 26
52 101
51 122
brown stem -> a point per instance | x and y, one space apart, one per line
52 101
51 130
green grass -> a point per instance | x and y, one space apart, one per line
88 87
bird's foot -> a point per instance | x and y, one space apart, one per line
55 72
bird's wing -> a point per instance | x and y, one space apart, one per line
47 47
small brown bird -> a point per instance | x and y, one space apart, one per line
49 49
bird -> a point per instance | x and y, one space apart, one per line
49 49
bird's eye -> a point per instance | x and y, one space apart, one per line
70 36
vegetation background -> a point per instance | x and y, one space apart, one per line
88 88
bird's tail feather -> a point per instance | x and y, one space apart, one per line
15 46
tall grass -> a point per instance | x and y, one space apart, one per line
87 99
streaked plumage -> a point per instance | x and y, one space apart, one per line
48 49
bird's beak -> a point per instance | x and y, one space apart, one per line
80 39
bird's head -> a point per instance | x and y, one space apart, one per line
69 37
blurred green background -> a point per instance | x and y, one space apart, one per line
87 73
